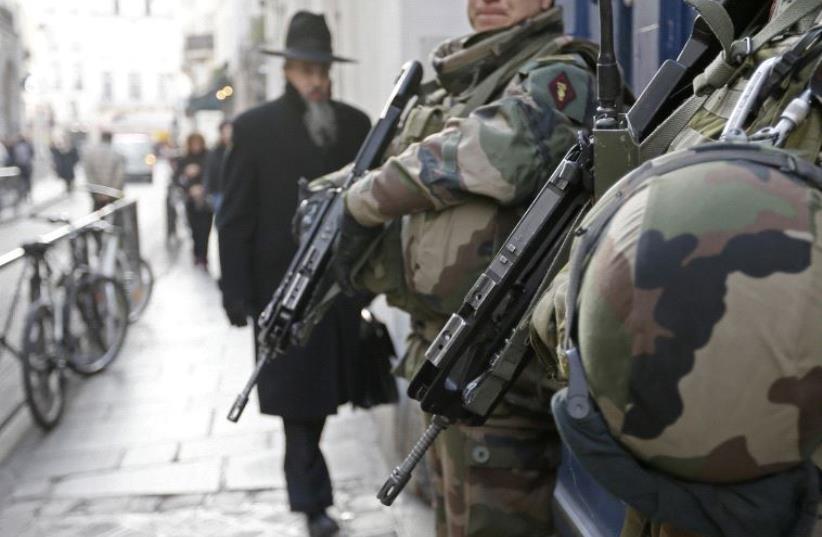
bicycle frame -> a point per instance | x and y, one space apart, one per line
18 288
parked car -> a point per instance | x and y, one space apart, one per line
138 151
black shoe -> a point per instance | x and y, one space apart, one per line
322 525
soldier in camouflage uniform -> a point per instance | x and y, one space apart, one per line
699 318
506 104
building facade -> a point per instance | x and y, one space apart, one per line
103 64
12 70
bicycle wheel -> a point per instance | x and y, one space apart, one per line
98 323
138 283
44 380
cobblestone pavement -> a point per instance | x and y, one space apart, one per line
145 450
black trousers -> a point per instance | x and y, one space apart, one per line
199 219
306 474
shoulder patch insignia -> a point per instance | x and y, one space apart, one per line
562 90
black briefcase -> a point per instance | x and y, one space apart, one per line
373 383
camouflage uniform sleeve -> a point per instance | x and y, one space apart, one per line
502 150
548 327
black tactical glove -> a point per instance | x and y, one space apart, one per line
236 311
351 245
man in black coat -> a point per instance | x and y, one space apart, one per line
302 134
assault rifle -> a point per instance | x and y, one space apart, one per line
293 311
483 348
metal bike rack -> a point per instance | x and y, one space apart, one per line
121 207
124 212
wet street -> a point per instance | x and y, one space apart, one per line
144 449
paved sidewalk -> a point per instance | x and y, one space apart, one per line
145 449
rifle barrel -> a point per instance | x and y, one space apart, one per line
401 474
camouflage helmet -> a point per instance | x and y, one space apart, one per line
699 312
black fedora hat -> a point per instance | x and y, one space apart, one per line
307 39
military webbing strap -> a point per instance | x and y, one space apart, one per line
725 65
717 19
494 82
658 141
718 73
721 24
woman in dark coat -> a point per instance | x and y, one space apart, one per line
303 134
190 175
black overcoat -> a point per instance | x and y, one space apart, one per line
271 150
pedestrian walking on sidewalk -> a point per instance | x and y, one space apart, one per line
22 156
214 167
64 157
306 134
104 167
190 176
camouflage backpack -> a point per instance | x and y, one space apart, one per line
702 117
699 312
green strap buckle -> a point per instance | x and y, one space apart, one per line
741 50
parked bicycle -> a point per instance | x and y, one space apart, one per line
77 320
114 259
133 271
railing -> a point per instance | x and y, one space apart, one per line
122 213
124 208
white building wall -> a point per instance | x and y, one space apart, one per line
11 70
75 46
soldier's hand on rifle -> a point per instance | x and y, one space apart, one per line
236 311
352 244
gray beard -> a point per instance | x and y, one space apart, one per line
321 123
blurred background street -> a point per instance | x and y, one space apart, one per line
145 449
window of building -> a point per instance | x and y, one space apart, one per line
148 8
108 88
135 88
163 84
116 7
78 77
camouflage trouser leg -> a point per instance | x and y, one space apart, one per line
495 480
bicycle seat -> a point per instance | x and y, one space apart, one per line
36 248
